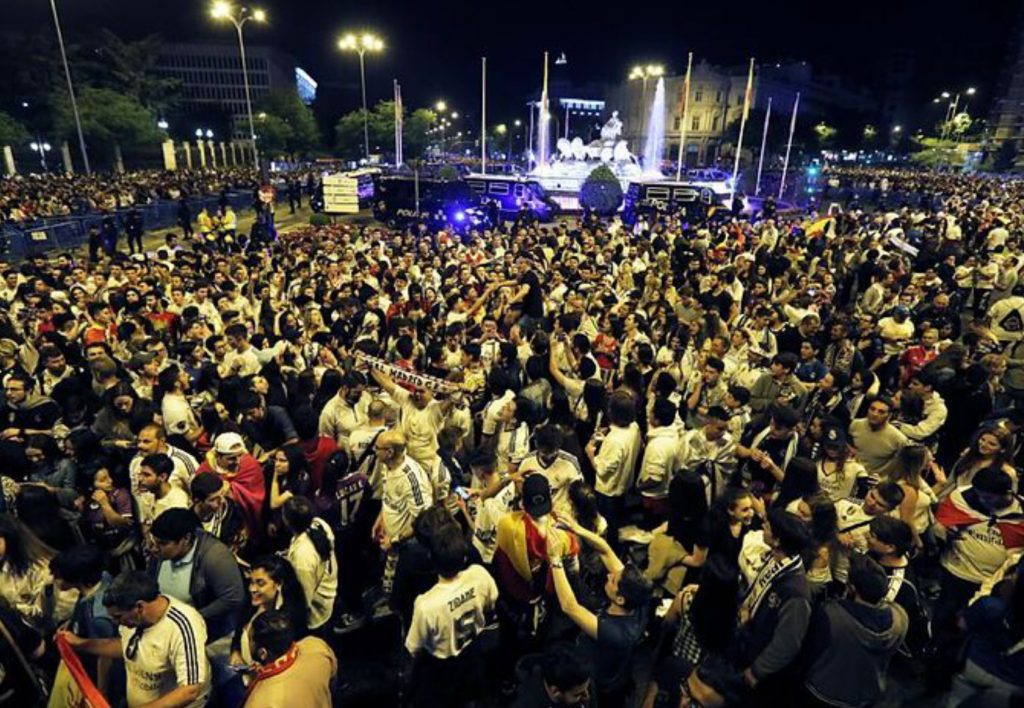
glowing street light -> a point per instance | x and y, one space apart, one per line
222 10
897 129
199 132
362 44
162 124
441 106
42 148
455 115
209 134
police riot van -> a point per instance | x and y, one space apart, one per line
440 203
690 200
512 193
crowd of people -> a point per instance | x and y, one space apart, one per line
30 197
685 462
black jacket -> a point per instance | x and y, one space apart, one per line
216 586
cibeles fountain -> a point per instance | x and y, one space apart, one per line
562 173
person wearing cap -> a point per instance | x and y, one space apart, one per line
231 461
521 558
853 639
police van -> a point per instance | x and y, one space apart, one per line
690 200
440 203
513 192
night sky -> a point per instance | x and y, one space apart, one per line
434 48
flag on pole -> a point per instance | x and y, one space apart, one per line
748 95
683 101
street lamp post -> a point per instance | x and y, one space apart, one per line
361 45
42 148
225 11
71 88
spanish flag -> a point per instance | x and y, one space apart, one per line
748 95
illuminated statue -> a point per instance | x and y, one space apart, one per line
612 129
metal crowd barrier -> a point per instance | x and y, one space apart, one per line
68 232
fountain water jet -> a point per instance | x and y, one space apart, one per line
654 147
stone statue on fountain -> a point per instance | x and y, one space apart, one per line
610 148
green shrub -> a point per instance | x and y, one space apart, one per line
447 173
601 191
319 220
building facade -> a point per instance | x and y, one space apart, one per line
211 78
1006 123
716 105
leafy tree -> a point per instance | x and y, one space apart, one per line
348 131
286 124
11 131
935 153
130 68
825 133
109 118
601 191
448 173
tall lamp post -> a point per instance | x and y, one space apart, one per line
71 88
226 11
651 71
361 45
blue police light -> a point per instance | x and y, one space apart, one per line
813 171
460 216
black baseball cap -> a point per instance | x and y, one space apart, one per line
536 495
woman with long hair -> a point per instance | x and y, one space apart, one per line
907 469
287 476
838 470
681 543
311 553
730 517
991 447
273 585
113 422
24 569
701 623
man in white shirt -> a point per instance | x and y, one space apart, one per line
240 359
152 440
154 477
559 467
659 462
615 463
161 643
346 411
711 450
446 621
494 500
406 493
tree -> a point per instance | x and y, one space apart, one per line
601 191
109 118
11 131
285 124
130 68
348 131
935 153
825 134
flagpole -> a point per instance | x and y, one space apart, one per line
398 124
483 115
764 141
789 144
542 120
743 125
682 119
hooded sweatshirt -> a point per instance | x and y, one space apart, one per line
851 644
